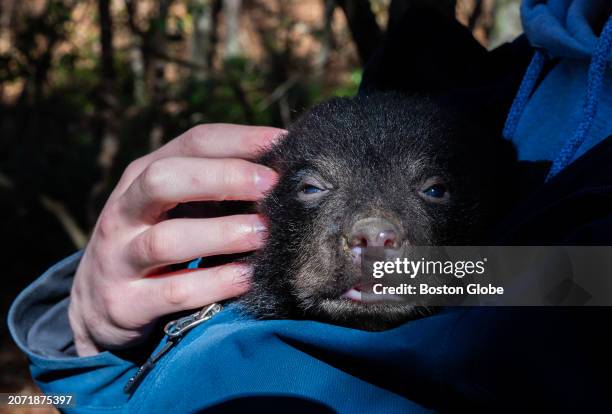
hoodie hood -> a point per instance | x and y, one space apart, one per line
565 28
559 116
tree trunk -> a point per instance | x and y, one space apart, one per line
364 28
231 10
327 40
156 72
202 15
157 45
136 54
217 7
109 144
106 41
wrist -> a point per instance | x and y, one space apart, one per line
83 341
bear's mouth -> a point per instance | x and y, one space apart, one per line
364 293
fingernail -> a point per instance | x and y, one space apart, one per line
260 226
265 178
243 273
280 134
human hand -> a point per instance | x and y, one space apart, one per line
120 288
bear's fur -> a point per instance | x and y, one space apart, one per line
372 155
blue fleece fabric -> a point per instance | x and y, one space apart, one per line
566 30
232 364
322 368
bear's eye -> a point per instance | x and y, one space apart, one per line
434 190
311 189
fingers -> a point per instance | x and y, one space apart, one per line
207 141
222 141
170 181
209 162
181 240
193 289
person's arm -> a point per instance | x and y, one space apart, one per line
38 323
109 296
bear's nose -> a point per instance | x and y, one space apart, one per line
374 232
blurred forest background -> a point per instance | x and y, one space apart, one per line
88 85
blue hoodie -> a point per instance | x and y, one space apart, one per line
459 360
576 36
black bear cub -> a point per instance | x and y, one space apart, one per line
385 171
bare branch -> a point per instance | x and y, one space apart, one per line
69 224
364 28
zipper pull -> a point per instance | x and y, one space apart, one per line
174 330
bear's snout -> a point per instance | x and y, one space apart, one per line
374 232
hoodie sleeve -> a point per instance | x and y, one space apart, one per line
38 323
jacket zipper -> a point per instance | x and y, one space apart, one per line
175 331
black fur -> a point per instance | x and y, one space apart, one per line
374 154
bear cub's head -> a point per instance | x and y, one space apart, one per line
385 171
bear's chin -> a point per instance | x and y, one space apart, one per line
366 315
